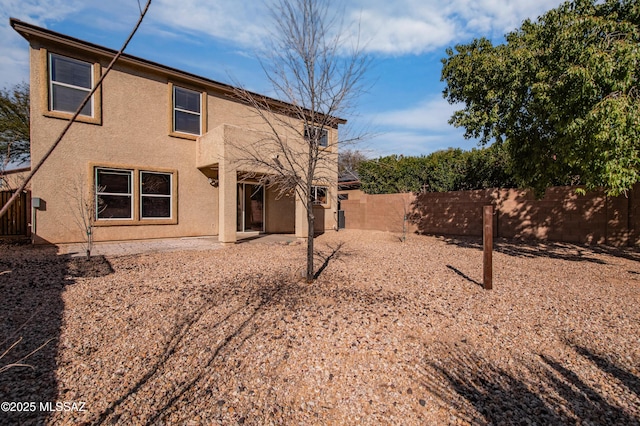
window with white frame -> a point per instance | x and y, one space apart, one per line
70 80
155 195
319 195
114 193
314 133
187 111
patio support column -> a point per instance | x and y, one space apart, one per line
227 203
301 218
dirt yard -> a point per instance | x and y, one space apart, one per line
390 333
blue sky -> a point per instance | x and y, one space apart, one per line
406 40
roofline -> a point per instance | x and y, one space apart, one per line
28 30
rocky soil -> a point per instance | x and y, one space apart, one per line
390 333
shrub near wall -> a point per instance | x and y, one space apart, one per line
561 215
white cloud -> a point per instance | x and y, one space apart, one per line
418 26
389 33
418 129
403 142
240 22
388 27
39 11
431 114
14 67
494 18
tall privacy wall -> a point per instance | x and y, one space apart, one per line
561 215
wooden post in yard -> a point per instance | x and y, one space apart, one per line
487 238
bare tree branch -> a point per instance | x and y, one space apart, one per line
75 115
311 69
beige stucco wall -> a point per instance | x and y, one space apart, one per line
280 217
134 133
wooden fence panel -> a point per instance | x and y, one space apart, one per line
15 222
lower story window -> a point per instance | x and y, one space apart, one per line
134 196
114 195
319 195
155 195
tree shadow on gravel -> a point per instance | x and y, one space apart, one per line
32 280
482 393
582 399
239 325
334 254
180 330
259 298
551 250
631 381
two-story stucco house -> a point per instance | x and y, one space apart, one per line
153 148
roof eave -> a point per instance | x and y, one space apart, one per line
27 31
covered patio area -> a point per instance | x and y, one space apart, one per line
244 203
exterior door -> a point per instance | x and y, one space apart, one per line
250 207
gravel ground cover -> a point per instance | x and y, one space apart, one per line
390 333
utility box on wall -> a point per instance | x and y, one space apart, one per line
341 223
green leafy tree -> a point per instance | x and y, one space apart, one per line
14 124
378 175
441 171
561 95
487 168
445 170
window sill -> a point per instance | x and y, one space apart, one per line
126 222
67 116
188 136
328 149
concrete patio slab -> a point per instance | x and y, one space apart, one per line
123 248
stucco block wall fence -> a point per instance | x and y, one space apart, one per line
562 215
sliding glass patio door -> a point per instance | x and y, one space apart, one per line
250 207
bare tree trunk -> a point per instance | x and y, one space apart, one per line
310 235
89 243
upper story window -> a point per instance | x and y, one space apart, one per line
316 133
319 195
70 80
187 111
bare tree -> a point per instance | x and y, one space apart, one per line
348 161
85 207
318 75
406 199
